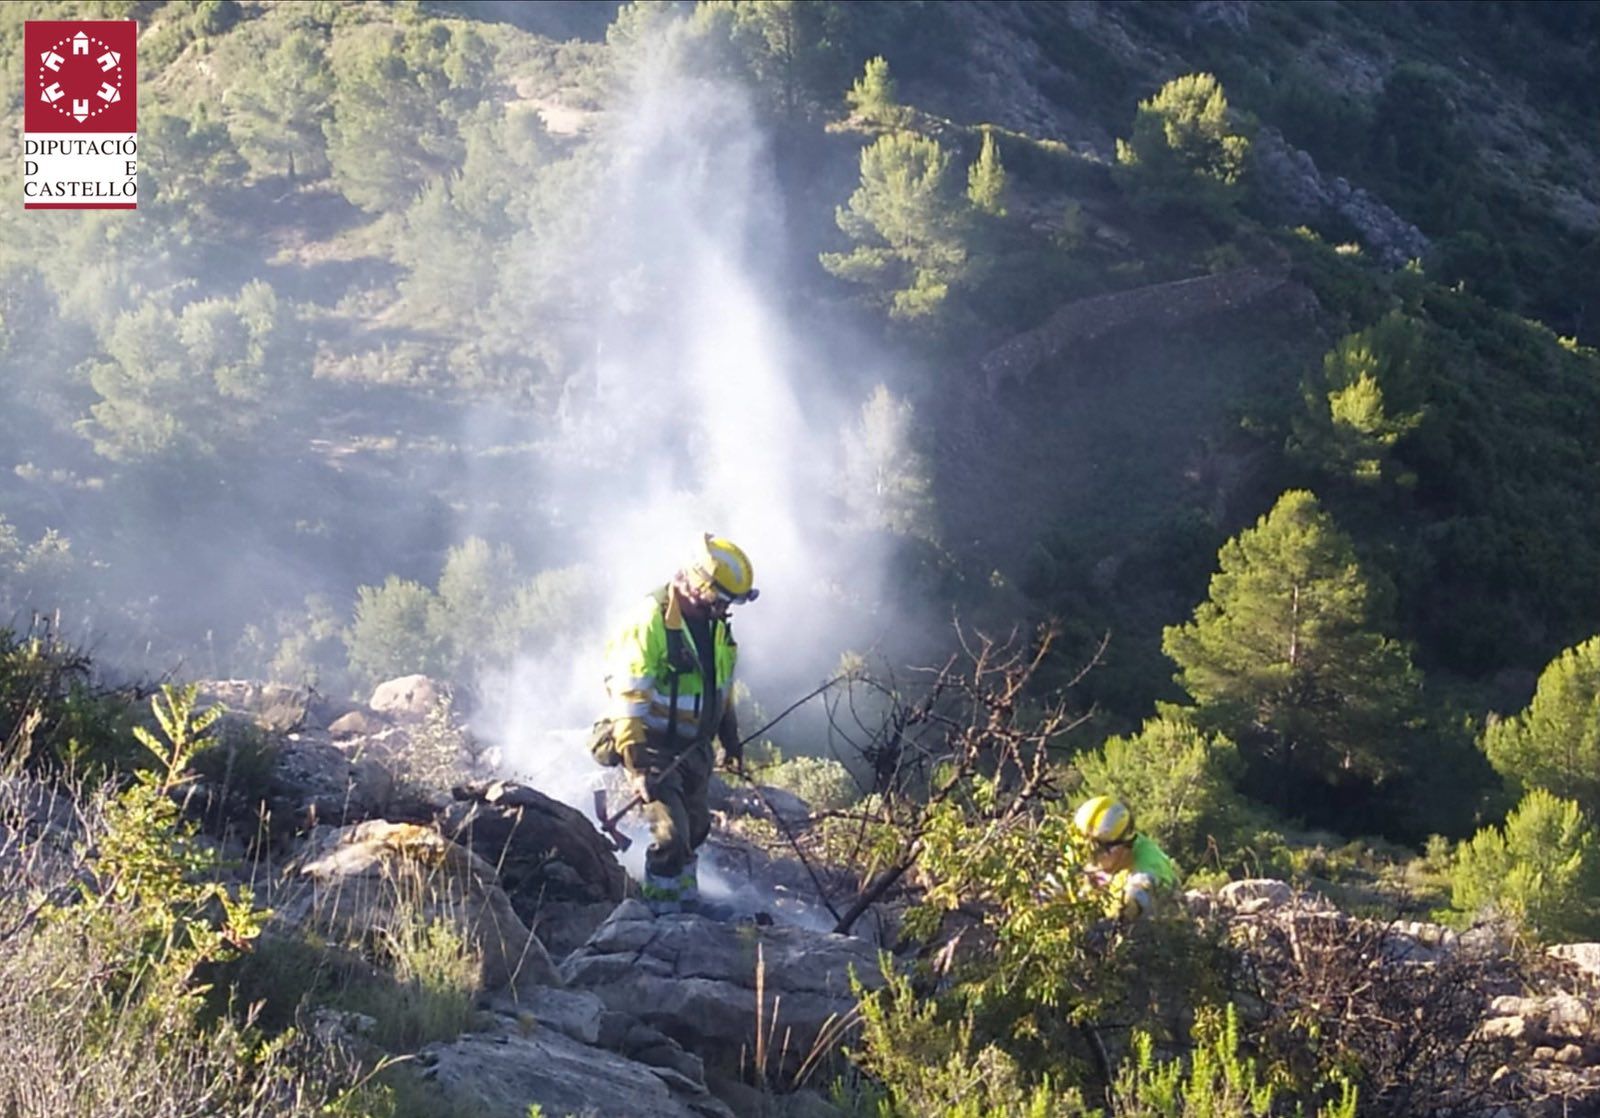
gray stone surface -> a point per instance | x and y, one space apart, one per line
409 697
695 979
375 874
1584 956
502 1074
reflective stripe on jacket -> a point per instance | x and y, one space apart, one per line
639 674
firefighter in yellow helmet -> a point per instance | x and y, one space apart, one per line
1128 865
669 674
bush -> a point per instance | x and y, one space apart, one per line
1187 150
1542 870
821 782
105 1013
1555 743
52 713
1178 781
1217 1081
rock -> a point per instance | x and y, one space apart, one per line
1569 1054
271 706
738 800
695 979
314 781
1296 192
1258 893
408 698
1558 1015
1411 941
1565 1015
546 851
355 723
377 873
502 1076
574 1013
1584 956
1504 1028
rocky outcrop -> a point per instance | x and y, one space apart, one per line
377 874
273 707
1288 182
696 980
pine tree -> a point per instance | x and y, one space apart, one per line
885 481
1365 398
398 102
1186 150
906 225
1555 743
1542 870
277 109
986 179
395 631
1288 657
873 97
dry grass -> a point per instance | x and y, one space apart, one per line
98 1017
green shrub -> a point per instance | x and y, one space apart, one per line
395 631
105 1013
1217 1081
922 1062
1187 149
434 976
1178 780
52 713
1555 743
821 782
1542 870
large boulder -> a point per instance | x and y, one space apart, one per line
504 1073
696 979
408 698
562 876
376 874
1584 956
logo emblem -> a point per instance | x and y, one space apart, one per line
80 114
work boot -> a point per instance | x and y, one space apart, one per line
688 881
661 894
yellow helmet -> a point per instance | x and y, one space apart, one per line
1104 819
723 568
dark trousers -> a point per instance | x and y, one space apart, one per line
679 817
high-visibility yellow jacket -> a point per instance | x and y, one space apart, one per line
651 651
1132 892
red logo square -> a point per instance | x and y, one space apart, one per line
81 75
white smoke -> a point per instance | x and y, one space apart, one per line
706 415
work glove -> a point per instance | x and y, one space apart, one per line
646 784
630 737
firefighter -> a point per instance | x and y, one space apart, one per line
669 675
1128 865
